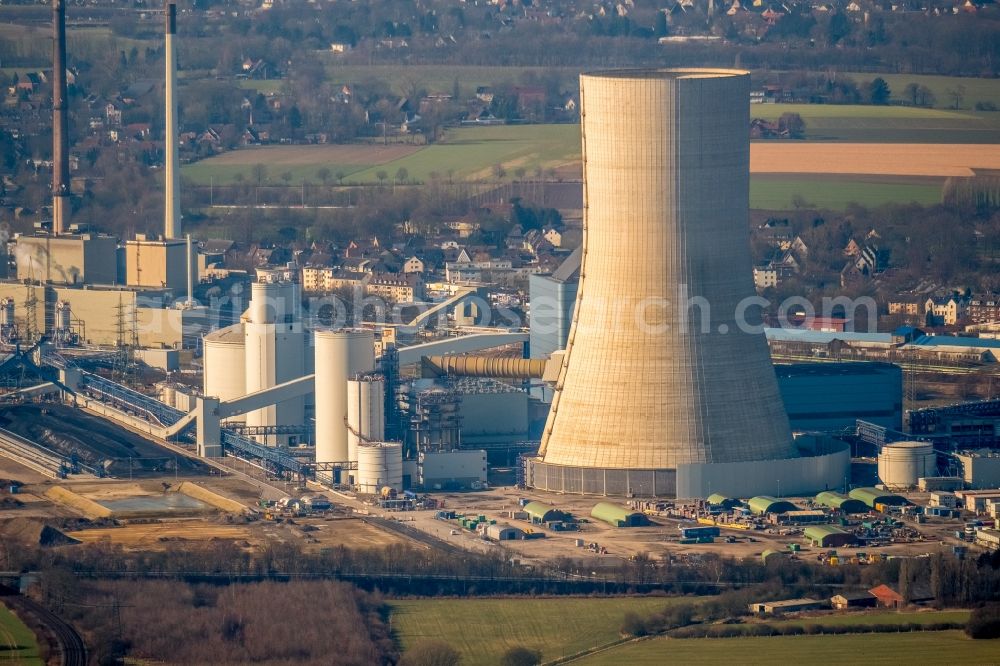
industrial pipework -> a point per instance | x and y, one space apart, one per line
482 366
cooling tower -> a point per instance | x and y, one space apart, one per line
657 372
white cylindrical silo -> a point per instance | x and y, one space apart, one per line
63 317
225 365
7 312
365 412
275 350
340 354
379 465
901 464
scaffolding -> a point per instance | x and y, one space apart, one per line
435 421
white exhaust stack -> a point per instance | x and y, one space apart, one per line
60 123
172 204
190 271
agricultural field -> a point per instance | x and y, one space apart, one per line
790 191
302 162
18 644
465 154
926 648
972 90
887 124
483 629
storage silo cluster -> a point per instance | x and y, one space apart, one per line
663 389
267 348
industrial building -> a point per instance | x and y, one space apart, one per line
69 259
831 397
159 263
840 502
873 496
668 399
618 516
971 425
980 469
828 536
452 470
553 298
763 504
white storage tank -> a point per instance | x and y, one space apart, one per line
365 412
340 354
7 312
902 464
63 317
379 465
225 365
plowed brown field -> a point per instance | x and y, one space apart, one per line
884 159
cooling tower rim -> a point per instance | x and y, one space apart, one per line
666 73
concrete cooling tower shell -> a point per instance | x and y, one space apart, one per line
658 372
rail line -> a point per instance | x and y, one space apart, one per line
21 451
71 647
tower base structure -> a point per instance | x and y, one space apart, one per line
823 464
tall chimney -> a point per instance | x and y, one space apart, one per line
171 200
60 127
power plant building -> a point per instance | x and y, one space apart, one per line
69 259
156 263
662 389
553 298
831 397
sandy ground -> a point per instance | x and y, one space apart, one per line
312 534
895 159
657 540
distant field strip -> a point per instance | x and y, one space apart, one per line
924 648
483 629
473 153
892 159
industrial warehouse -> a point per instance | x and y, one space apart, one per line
577 431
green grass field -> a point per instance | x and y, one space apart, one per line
483 629
781 191
17 643
887 124
469 153
925 648
975 90
472 152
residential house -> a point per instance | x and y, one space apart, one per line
553 236
948 310
984 309
396 288
765 276
413 265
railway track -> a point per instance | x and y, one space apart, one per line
21 451
71 647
